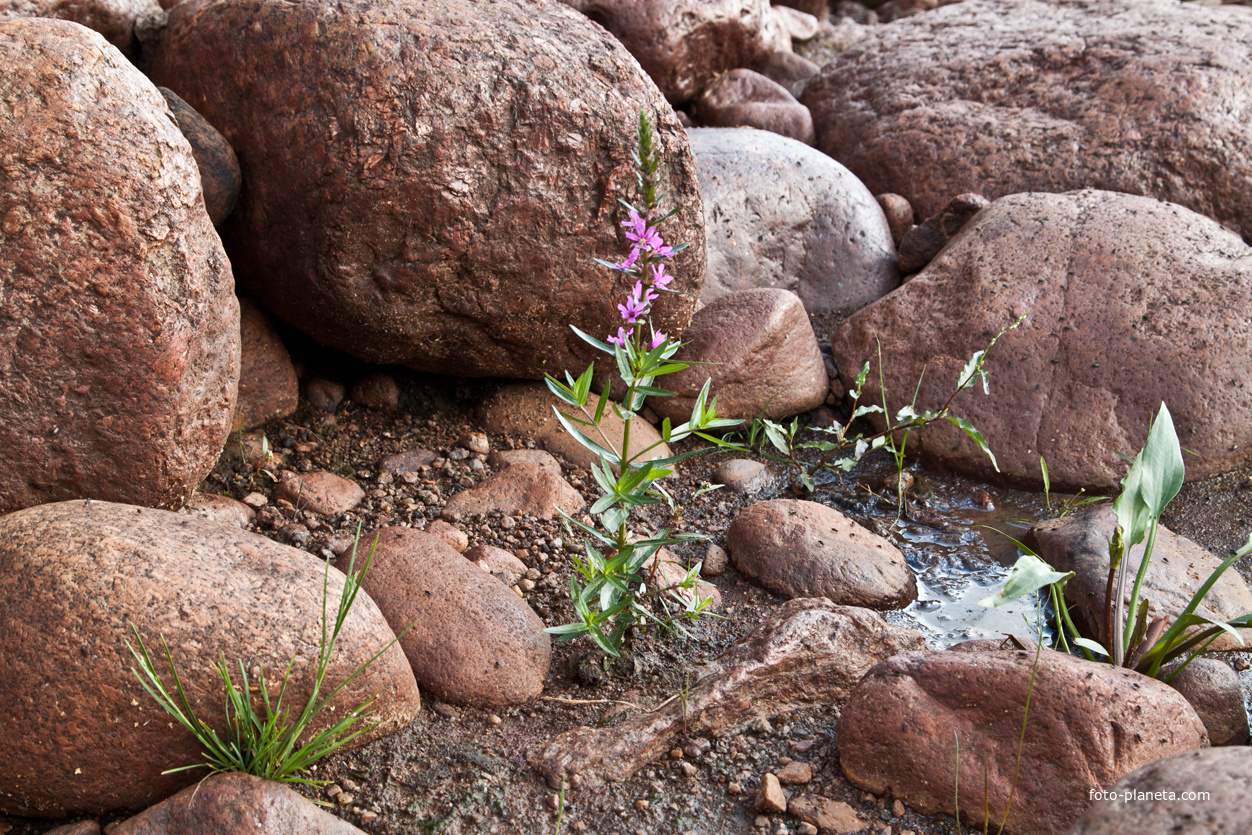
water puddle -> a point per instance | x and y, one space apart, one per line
951 532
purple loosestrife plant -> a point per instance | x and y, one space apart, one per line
616 591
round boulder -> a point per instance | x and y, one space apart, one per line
119 328
123 23
1128 302
470 640
780 214
805 549
765 357
1205 792
1088 725
1139 96
426 183
684 44
78 734
746 98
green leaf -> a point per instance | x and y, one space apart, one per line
604 452
1088 644
977 437
591 340
970 371
1029 574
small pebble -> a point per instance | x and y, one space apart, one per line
897 808
255 500
333 790
369 816
344 798
806 828
761 822
676 754
494 720
689 769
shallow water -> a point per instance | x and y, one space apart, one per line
953 533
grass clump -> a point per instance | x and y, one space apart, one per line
261 736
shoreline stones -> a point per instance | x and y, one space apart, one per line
119 329
805 549
1089 725
77 732
392 153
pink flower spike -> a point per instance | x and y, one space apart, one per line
622 336
658 339
633 309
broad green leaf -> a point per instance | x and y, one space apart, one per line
977 437
1088 644
604 452
1029 574
591 340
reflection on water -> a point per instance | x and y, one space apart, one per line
952 532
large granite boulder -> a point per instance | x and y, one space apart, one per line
1140 96
426 183
780 214
685 44
1128 302
123 23
78 734
1089 724
119 328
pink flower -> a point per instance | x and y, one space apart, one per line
622 336
659 276
629 263
637 303
636 227
658 339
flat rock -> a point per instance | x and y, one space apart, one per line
800 26
408 461
780 214
1128 302
384 189
670 572
743 475
472 640
119 337
525 409
804 652
1080 543
522 489
767 360
222 510
220 177
267 378
235 804
743 98
684 44
450 534
123 23
505 458
78 735
497 562
321 492
1160 798
1136 96
1089 725
80 828
805 549
826 814
1213 689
